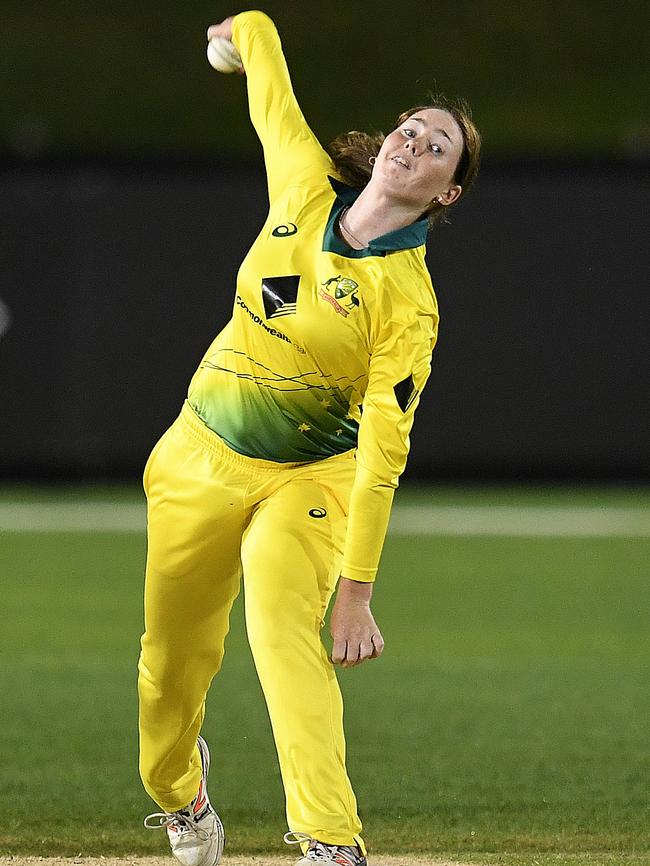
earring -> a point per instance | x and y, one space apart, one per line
372 160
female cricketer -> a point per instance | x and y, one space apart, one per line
282 465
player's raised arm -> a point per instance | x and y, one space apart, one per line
292 152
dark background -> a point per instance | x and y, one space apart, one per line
131 187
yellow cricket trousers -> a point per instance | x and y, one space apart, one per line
213 514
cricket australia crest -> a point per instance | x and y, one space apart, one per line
341 293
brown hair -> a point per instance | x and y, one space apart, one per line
351 151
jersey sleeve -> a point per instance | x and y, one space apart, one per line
292 153
399 368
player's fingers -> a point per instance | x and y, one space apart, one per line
352 654
377 645
339 650
366 650
223 29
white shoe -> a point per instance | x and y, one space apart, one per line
195 833
326 855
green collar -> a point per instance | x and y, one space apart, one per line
405 238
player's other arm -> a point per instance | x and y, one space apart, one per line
399 368
292 152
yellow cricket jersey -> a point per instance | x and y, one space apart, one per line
328 348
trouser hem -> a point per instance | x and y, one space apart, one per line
329 838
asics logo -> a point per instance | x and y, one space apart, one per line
284 230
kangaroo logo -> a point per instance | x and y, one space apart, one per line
341 293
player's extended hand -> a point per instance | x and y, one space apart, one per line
353 627
224 29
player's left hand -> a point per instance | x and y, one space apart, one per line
356 635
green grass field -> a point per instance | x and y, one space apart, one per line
507 721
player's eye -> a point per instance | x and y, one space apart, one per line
435 148
409 132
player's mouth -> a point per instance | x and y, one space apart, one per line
400 161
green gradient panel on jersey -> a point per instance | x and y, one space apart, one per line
271 415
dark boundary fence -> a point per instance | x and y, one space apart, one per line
114 277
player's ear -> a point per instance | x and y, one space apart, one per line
450 196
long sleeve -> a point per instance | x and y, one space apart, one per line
292 152
399 368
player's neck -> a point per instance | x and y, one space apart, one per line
374 214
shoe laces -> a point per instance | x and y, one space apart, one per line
346 855
181 821
295 838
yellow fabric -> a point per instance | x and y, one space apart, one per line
211 514
322 337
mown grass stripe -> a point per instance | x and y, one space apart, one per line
540 521
431 520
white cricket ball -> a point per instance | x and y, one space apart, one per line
223 56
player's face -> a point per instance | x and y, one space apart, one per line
417 161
